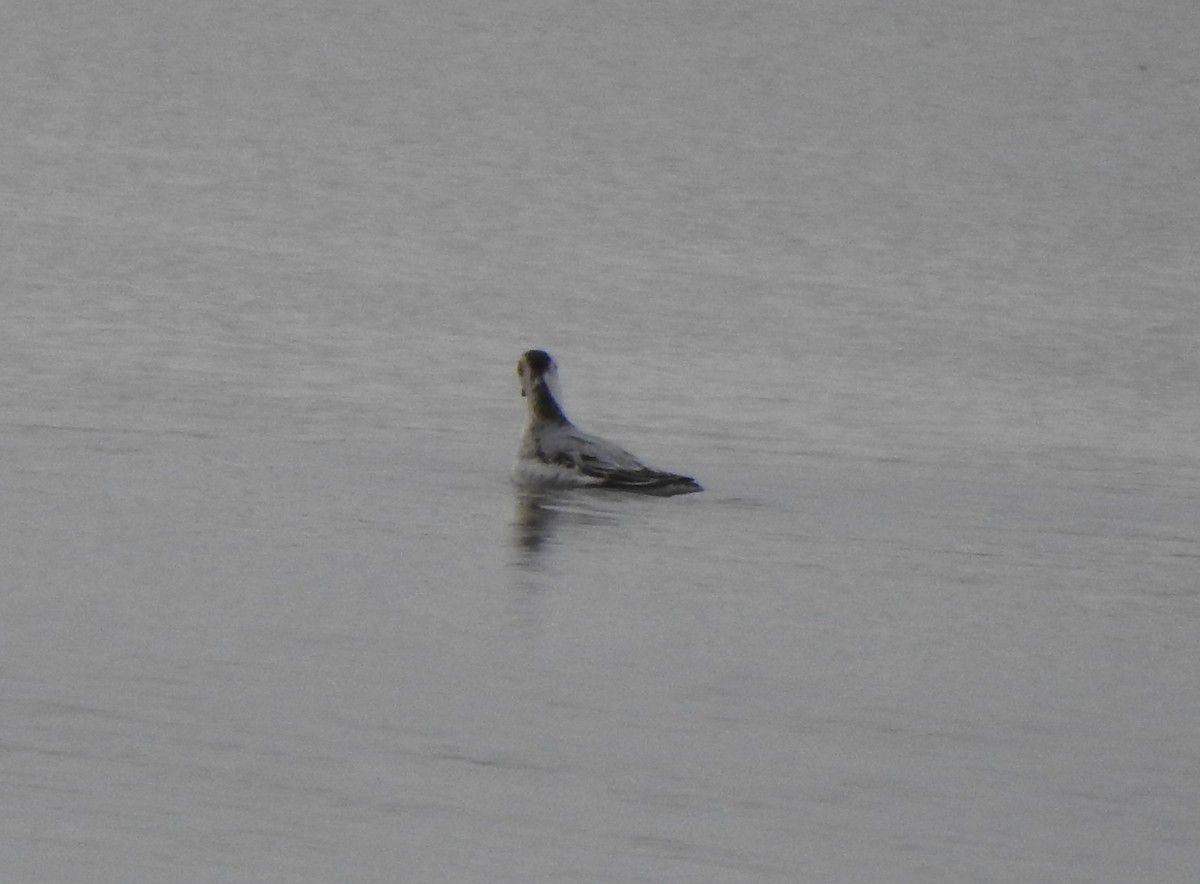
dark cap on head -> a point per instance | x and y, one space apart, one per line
539 361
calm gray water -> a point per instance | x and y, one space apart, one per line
910 287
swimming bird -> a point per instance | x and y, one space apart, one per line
555 452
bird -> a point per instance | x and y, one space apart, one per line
555 452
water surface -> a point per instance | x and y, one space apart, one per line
911 291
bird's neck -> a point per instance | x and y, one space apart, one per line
543 406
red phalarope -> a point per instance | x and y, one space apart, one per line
556 452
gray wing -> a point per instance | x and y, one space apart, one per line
612 466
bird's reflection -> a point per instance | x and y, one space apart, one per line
541 514
548 527
534 523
